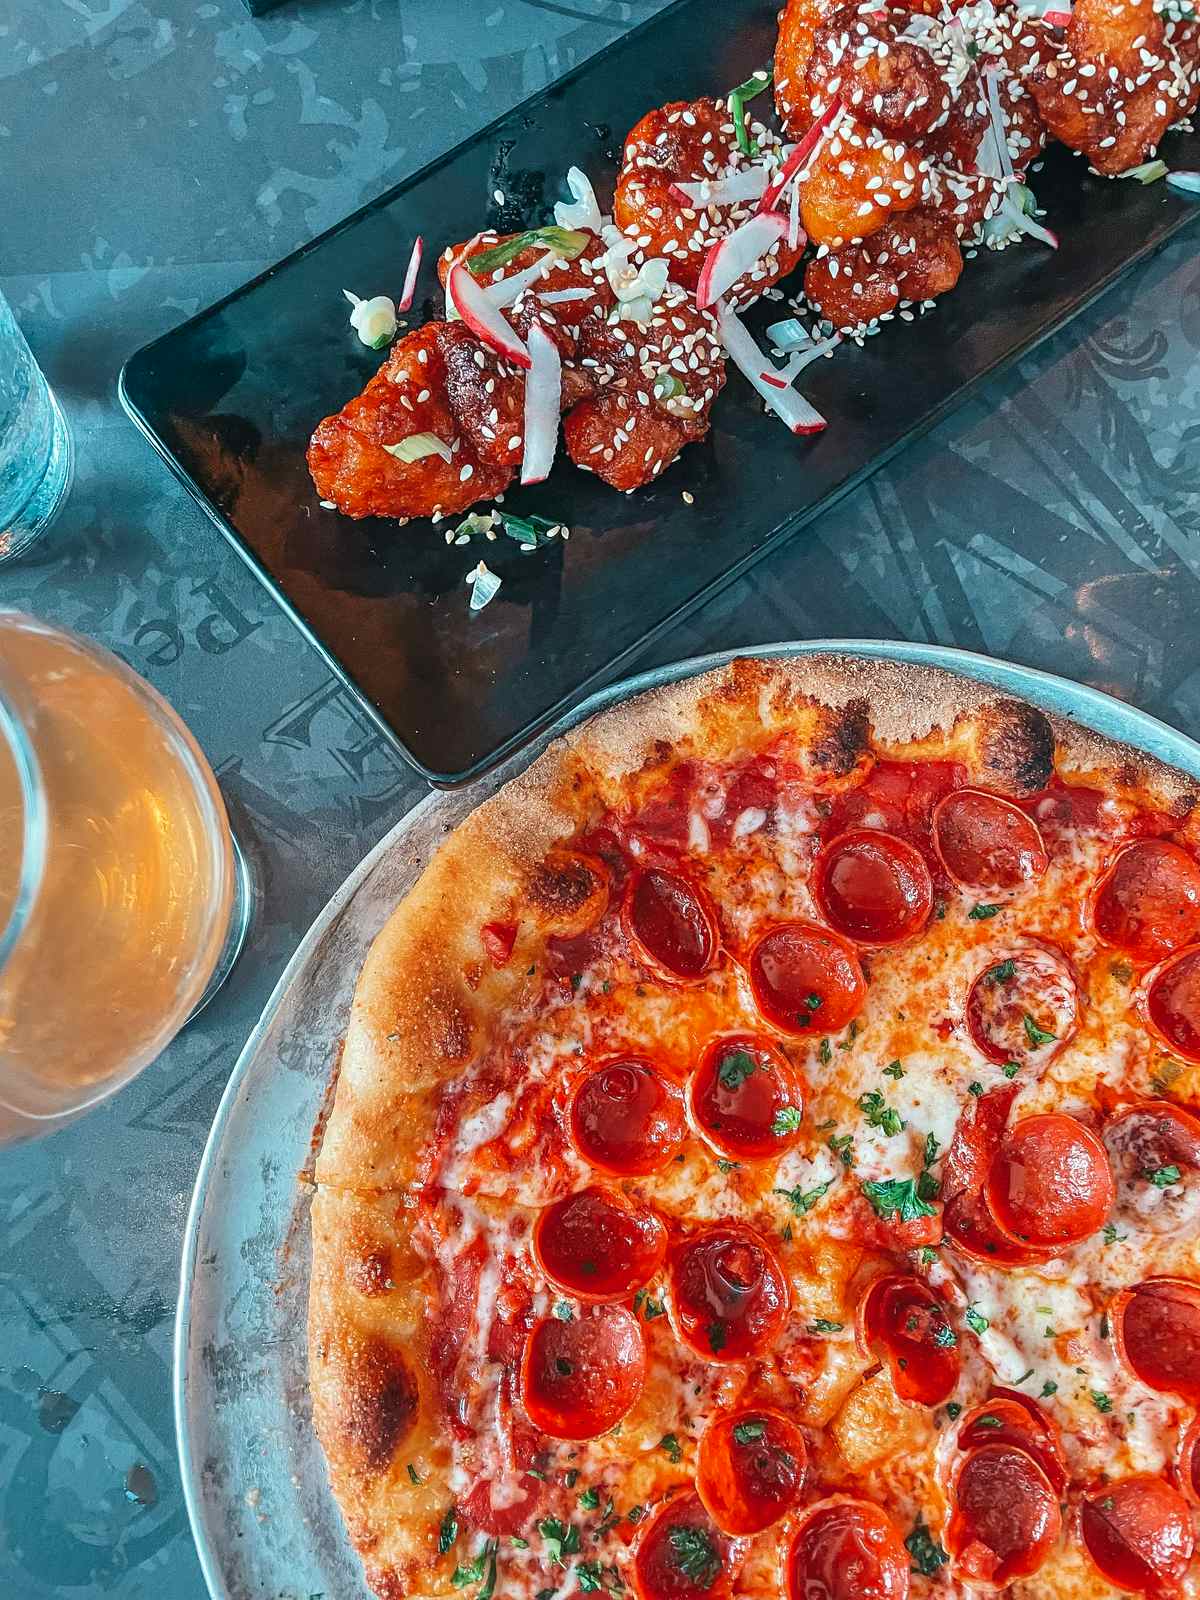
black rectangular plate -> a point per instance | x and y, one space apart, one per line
230 399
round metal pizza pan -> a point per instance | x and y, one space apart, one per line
265 1524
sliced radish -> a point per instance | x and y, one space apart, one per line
789 406
800 153
737 253
774 380
748 184
543 402
1188 182
410 277
558 297
1056 19
507 290
585 213
999 126
800 359
482 316
794 230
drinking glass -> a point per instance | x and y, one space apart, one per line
123 898
36 458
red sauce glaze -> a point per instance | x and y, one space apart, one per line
729 1296
523 1444
1143 1139
1010 1418
750 1469
1050 1184
598 1244
1148 902
744 1097
498 939
671 924
1024 1005
806 979
680 1554
985 842
1004 1518
873 887
1156 1333
626 1118
902 1322
579 1378
846 1549
1138 1533
1172 1003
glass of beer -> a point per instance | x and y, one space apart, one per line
36 456
122 895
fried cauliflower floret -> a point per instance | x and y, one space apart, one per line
888 82
688 142
913 257
856 180
799 22
657 384
351 467
955 140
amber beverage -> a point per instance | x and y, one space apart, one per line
119 884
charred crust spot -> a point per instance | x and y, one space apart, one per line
1016 747
562 886
368 1270
841 738
746 678
447 1026
378 1400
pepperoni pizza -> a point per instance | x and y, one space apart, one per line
761 1163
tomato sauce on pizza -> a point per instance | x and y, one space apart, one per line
764 1161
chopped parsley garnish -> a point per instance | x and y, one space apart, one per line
976 1321
879 1114
671 1445
893 1070
824 1052
1167 1072
413 1475
695 1555
562 1539
823 1325
736 1067
975 1088
568 242
1101 1401
851 1035
1011 1068
1028 1373
563 1311
1111 1236
787 1120
842 1145
482 1567
944 1336
1037 1036
1002 972
897 1199
1162 1177
748 1432
933 1149
563 1367
727 1166
448 1532
717 1335
803 1200
588 1573
517 1542
953 1410
927 1554
988 1421
590 1499
982 913
928 1187
1049 1388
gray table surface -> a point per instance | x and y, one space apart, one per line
153 155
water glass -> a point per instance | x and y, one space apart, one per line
36 457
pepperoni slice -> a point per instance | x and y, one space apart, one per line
1138 1533
626 1119
680 1554
1004 1516
1013 1419
902 1321
671 924
985 842
598 1245
729 1297
498 939
744 1097
873 887
806 979
1024 1006
1154 1151
1156 1332
966 1220
750 1469
579 1378
1050 1185
846 1549
1148 902
1187 1462
1172 1003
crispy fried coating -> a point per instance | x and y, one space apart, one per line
658 384
686 142
849 288
407 395
922 250
955 141
888 82
799 22
486 396
913 257
963 200
856 179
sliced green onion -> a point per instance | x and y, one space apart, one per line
1148 172
569 242
737 109
667 386
418 446
530 532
